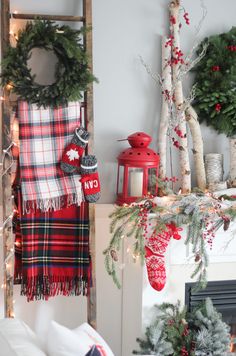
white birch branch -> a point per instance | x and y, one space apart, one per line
179 101
198 151
165 111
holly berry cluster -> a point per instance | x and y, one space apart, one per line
167 95
179 132
169 41
231 48
215 68
186 18
143 214
176 143
170 179
209 232
172 20
184 352
218 107
178 57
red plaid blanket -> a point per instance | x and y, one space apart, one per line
44 133
52 253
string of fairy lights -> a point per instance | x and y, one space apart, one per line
7 223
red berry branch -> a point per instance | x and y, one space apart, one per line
186 18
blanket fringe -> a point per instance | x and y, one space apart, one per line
57 203
44 287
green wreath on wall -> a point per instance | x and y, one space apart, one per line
72 71
215 81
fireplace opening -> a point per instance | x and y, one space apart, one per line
223 296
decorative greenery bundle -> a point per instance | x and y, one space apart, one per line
72 72
215 81
175 332
202 214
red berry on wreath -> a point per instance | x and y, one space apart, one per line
218 107
215 68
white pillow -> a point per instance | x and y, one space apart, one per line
17 339
65 342
95 337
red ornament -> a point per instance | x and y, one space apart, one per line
218 107
137 170
215 68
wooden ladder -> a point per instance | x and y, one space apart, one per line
6 189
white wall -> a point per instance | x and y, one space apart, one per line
127 100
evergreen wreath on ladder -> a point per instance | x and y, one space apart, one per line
72 72
216 83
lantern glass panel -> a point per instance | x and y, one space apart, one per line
120 179
152 180
135 182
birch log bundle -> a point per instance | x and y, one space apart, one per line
184 113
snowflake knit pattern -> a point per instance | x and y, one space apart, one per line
155 249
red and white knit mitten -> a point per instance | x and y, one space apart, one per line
71 157
89 178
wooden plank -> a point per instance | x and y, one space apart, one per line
6 197
47 17
92 299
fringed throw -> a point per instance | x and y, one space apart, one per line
54 249
44 134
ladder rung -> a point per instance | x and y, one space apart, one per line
47 17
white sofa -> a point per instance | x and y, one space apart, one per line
17 339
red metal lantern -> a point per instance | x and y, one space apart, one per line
137 170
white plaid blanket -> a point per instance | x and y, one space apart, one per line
44 134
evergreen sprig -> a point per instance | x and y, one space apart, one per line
198 212
215 79
176 332
72 74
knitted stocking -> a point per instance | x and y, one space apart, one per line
73 152
155 255
89 178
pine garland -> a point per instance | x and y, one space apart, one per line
215 79
175 332
72 72
202 214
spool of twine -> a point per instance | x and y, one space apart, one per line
214 168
